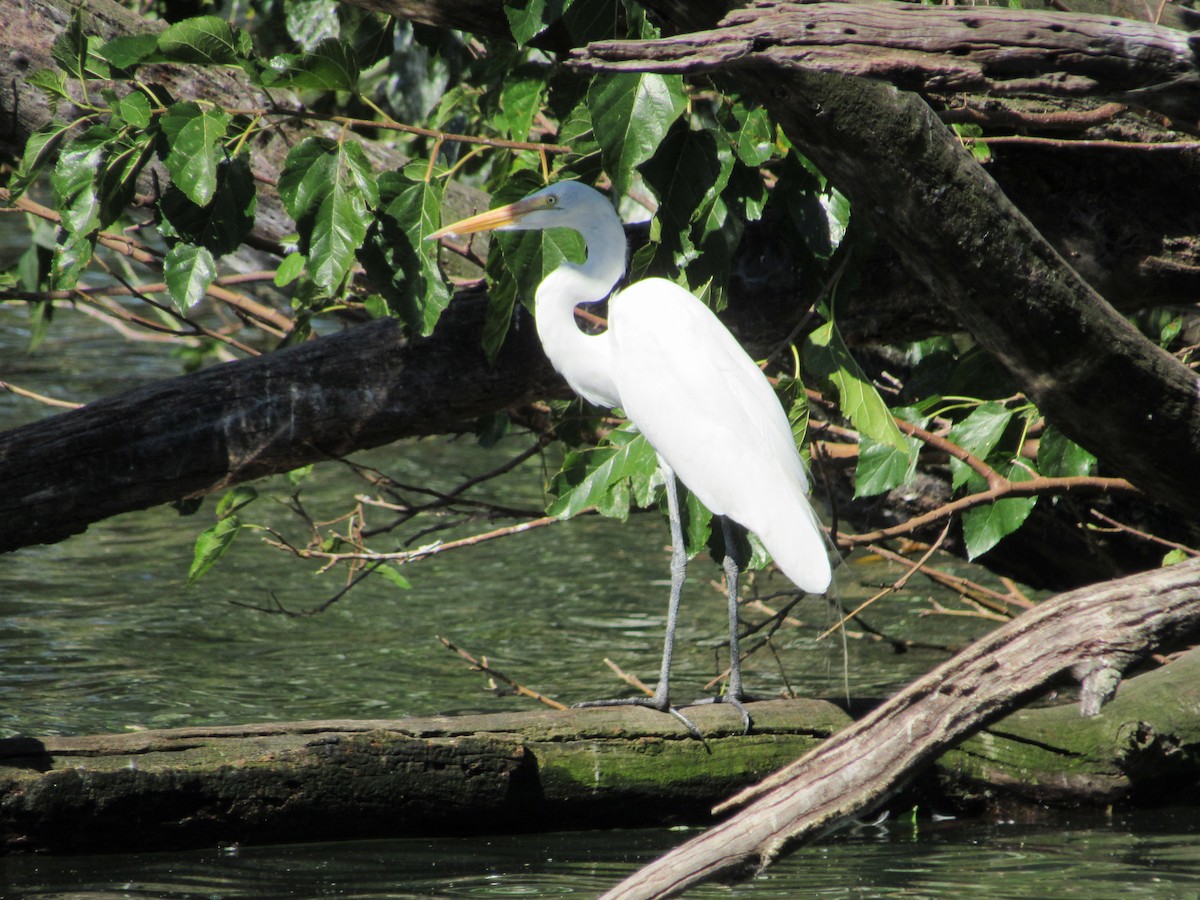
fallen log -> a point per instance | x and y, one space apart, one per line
309 781
626 767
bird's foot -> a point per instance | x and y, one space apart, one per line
736 701
649 703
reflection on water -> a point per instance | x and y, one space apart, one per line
1147 855
99 634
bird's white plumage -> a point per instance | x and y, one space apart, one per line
709 412
678 374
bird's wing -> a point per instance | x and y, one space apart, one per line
711 414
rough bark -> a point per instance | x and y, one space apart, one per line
1094 634
949 49
309 781
1087 368
199 433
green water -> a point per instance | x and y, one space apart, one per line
100 634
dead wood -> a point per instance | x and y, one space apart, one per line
330 780
1092 633
1092 373
987 50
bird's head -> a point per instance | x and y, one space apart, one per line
562 205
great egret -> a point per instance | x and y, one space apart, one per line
687 385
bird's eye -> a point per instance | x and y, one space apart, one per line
551 200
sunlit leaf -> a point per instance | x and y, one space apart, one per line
211 544
222 224
978 434
398 254
193 136
188 271
39 150
391 575
205 40
986 526
128 50
882 467
234 499
330 66
602 476
755 137
529 18
631 114
826 356
330 189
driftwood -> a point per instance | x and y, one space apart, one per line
1093 633
627 767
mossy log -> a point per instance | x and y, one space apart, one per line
329 780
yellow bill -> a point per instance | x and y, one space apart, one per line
500 217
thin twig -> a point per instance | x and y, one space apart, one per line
482 666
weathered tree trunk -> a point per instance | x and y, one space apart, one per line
1093 633
1092 373
329 780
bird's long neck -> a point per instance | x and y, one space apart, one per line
583 360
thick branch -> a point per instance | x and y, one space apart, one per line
1089 370
945 50
199 433
1094 632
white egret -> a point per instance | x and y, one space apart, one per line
687 385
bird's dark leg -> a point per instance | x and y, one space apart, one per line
662 697
734 694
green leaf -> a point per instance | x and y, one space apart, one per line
520 102
400 256
128 50
529 18
222 224
39 149
631 114
331 66
211 544
235 499
309 22
687 173
291 268
194 138
70 49
608 477
1059 456
882 467
205 40
826 356
986 526
188 271
755 137
329 189
134 109
54 83
392 576
1175 556
978 434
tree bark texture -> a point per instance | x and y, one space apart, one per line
309 781
987 50
1092 373
1093 633
200 433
